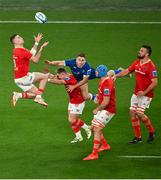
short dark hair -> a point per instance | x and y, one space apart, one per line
81 55
61 70
149 49
12 38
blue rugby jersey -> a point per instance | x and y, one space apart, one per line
85 70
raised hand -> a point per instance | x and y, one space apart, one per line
44 44
38 38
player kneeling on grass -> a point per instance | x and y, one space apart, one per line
104 111
76 104
22 77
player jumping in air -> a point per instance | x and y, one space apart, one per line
146 81
22 76
82 71
76 104
104 112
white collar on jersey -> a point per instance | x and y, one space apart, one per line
144 62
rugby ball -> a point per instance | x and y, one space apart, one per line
40 17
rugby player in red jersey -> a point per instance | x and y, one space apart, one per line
76 103
82 71
23 78
104 112
146 81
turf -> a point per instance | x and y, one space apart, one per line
34 141
93 5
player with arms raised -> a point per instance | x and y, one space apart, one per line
22 76
76 104
146 81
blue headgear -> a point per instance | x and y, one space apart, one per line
102 70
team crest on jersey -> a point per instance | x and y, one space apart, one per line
144 68
106 91
154 73
89 72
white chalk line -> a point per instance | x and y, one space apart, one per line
141 157
83 22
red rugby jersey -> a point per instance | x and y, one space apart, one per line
75 96
107 88
21 59
144 73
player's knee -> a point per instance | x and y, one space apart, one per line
71 119
141 115
96 129
132 113
45 76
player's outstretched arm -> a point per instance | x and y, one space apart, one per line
55 63
57 81
122 73
36 58
37 39
82 82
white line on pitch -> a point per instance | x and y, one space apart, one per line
146 157
83 22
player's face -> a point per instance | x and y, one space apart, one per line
80 61
62 75
18 40
142 53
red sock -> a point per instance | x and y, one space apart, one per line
25 95
96 144
81 123
136 126
103 141
75 126
149 125
40 91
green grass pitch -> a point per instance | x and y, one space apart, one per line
35 141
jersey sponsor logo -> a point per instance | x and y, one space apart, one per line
144 68
154 73
106 91
140 72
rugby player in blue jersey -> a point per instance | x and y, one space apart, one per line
82 71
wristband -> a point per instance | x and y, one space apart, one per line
36 43
33 51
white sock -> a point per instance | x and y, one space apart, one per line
85 126
91 95
78 135
19 95
38 96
